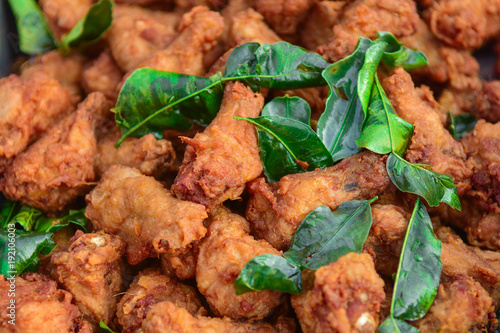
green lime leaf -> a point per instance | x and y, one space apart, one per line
269 272
397 55
26 217
103 328
52 224
393 325
461 125
7 212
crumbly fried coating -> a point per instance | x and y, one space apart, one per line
56 169
431 144
137 33
149 155
227 248
249 26
40 307
276 210
144 214
317 29
220 161
149 288
102 75
91 269
165 317
346 297
482 146
63 15
182 265
485 232
366 18
29 107
461 305
488 102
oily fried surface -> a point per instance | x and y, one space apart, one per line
183 265
40 307
91 269
63 15
220 161
227 248
485 232
56 169
276 210
317 28
102 75
149 288
249 25
346 297
488 102
144 214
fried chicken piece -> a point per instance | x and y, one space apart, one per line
66 70
149 288
249 26
149 155
482 146
102 75
30 106
144 214
276 210
63 15
183 265
365 18
227 248
485 232
221 160
346 297
431 144
56 169
317 29
40 307
165 317
91 269
460 305
137 33
488 102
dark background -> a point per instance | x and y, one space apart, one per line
8 39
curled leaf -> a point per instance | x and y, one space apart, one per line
398 55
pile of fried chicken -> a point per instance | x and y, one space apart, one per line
176 219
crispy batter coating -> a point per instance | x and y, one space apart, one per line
276 210
227 248
461 305
149 288
149 155
102 75
182 265
221 160
485 232
144 214
29 107
482 146
317 29
249 26
346 297
63 15
367 17
488 102
165 317
55 170
431 144
136 33
40 307
91 269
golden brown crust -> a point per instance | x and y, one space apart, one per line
317 29
103 75
63 15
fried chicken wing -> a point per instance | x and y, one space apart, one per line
91 269
346 297
40 307
63 15
149 288
317 29
221 160
227 248
182 265
102 75
276 210
56 169
249 26
144 214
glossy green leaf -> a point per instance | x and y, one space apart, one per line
103 328
298 138
26 247
34 34
151 101
26 217
393 325
384 131
324 236
7 212
368 73
51 224
280 66
277 161
419 271
90 28
269 272
397 55
418 179
461 125
340 124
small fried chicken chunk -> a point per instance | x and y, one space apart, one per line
63 15
149 288
55 170
221 160
346 297
276 210
223 254
165 317
183 265
144 214
317 29
249 25
91 269
102 75
29 107
485 232
40 307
